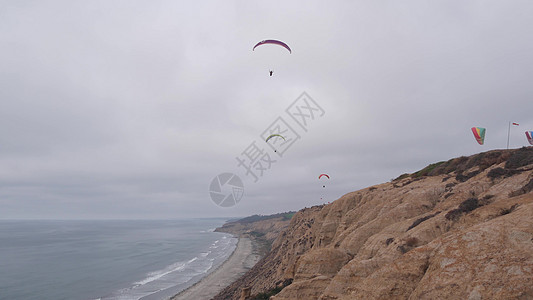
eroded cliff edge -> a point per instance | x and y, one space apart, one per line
262 230
460 229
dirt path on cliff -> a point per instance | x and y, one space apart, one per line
240 261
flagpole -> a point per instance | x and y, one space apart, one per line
508 133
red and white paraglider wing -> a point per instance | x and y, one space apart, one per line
529 136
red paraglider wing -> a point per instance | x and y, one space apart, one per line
323 175
275 42
529 135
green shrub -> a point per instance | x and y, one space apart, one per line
528 187
508 210
427 170
465 207
462 178
496 173
519 158
418 221
272 292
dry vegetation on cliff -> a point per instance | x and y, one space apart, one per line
258 227
461 229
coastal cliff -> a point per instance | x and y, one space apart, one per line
460 229
266 228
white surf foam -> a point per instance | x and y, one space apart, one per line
152 276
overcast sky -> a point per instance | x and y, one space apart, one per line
129 109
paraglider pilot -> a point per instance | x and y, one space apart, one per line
271 72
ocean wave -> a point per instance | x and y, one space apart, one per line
152 276
177 276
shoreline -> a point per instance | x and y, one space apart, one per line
238 263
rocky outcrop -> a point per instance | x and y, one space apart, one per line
461 229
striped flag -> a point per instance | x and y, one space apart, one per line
515 124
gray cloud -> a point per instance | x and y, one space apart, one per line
128 109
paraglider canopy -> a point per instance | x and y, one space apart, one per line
479 134
529 136
323 175
275 42
274 135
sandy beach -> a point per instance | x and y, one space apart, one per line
240 261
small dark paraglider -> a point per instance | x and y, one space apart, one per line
319 178
271 72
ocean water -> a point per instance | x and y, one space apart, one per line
108 259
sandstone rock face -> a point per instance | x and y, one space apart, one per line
461 229
322 261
